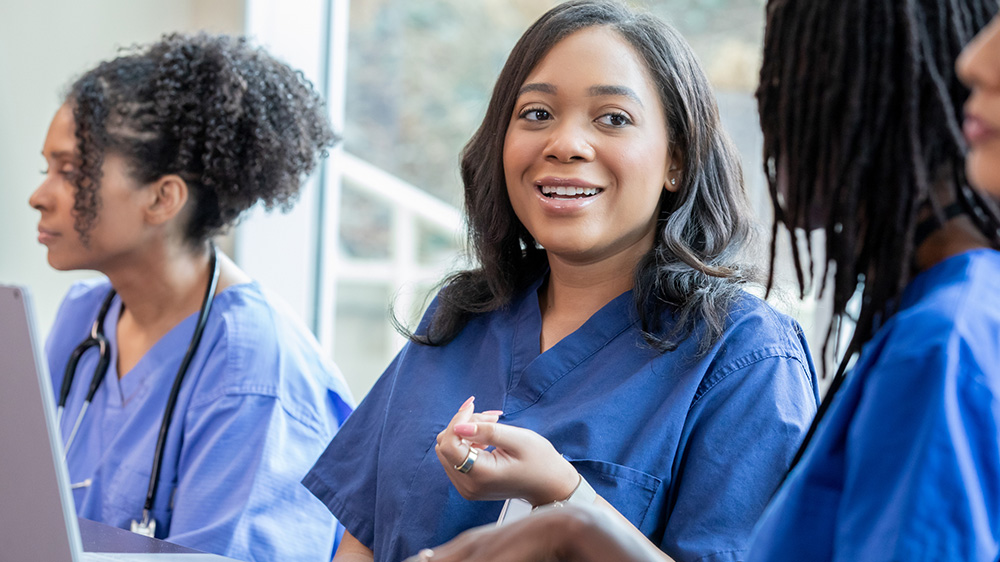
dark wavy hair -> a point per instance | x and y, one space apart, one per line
696 268
236 124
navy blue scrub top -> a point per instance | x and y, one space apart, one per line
688 447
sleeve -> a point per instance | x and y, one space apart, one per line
345 478
923 460
238 492
739 441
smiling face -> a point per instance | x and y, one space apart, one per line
119 226
586 155
979 68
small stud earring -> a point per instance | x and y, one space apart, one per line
673 181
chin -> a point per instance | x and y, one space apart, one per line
61 263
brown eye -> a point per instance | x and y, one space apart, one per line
535 114
615 119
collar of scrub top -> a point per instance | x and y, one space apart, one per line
97 339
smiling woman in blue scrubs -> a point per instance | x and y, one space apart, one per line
605 335
152 154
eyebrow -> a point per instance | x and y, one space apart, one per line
537 87
623 91
62 154
593 91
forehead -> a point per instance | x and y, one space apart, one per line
596 55
61 138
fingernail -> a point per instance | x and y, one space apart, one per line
426 554
465 429
468 402
493 413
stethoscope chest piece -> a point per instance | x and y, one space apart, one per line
146 527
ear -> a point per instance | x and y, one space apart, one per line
168 195
674 174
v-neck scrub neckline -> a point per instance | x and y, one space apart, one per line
165 350
532 372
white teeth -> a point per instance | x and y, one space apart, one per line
568 191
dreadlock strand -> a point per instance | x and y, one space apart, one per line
865 140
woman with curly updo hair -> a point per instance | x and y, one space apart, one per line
196 401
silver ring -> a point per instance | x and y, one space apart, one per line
470 460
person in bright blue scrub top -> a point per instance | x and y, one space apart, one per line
905 462
151 154
605 335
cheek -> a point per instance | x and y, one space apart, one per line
983 167
518 156
646 168
519 151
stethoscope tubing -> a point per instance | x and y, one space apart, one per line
99 340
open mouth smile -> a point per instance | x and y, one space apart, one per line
568 192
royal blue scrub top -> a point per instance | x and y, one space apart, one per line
906 464
257 407
688 447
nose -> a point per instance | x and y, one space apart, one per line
569 142
979 63
41 199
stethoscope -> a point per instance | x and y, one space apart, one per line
97 339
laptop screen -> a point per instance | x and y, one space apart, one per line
38 517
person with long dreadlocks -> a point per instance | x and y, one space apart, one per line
903 460
861 111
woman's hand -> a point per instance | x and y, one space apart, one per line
522 463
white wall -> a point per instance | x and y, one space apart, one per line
44 44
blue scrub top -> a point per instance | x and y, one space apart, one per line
257 407
906 464
688 447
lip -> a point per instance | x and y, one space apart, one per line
46 236
565 182
976 130
565 206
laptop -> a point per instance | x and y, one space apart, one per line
38 519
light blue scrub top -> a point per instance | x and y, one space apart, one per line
257 407
689 448
906 464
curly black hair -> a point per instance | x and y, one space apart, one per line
235 123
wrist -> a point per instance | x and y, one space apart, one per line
562 485
582 494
